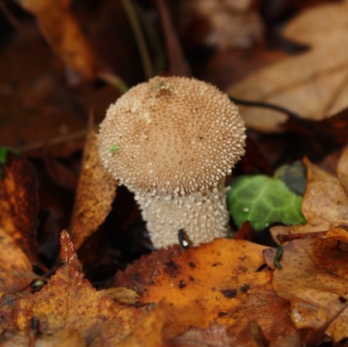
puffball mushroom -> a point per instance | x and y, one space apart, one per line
172 141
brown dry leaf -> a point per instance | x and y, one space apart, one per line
338 234
69 302
122 294
214 336
19 205
218 282
324 204
314 83
342 169
314 278
15 269
228 23
325 201
61 30
94 196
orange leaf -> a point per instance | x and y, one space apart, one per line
338 234
69 302
216 282
148 332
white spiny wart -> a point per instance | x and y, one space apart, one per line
180 137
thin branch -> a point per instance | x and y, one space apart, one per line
80 134
289 237
139 37
266 105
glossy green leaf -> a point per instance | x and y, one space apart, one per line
263 200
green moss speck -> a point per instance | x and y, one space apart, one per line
114 148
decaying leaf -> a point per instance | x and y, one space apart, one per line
94 196
214 336
342 169
314 279
216 282
122 294
63 33
230 23
313 83
19 205
323 190
64 338
148 331
15 267
324 205
70 302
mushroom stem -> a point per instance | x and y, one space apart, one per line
203 216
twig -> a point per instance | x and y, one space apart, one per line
266 105
289 237
54 141
139 37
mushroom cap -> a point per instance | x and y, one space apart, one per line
174 135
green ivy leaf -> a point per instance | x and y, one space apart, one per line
263 200
3 154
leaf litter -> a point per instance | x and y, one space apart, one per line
223 293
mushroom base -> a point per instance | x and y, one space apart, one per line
202 216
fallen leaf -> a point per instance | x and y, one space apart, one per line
19 205
69 302
143 272
94 196
60 173
148 331
323 190
214 336
64 338
342 169
312 84
314 279
15 268
338 234
122 294
63 33
263 200
324 204
229 23
218 283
